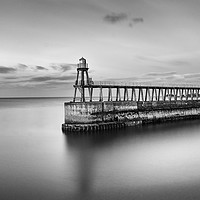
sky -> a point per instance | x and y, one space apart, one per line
41 42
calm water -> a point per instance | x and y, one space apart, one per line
38 162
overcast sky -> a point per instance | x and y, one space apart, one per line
131 40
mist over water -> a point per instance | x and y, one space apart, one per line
37 161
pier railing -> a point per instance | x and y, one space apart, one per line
145 84
117 91
136 84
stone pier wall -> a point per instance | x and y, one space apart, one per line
126 113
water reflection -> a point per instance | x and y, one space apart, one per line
39 162
80 149
149 160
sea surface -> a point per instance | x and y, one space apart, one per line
39 162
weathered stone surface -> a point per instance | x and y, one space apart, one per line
127 112
83 112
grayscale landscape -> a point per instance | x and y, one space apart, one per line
146 55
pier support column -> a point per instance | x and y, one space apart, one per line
118 95
142 95
100 94
152 97
109 94
197 93
192 94
187 94
133 95
75 91
156 95
165 94
162 94
90 92
146 94
125 94
159 94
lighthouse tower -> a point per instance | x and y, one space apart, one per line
82 79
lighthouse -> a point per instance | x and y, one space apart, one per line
82 79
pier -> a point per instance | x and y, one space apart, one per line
107 105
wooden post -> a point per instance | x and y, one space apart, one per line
186 94
90 92
125 95
101 94
117 94
132 94
146 93
156 95
152 97
82 94
109 94
192 94
139 95
165 94
142 94
197 94
162 94
159 94
75 89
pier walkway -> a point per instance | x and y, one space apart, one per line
98 106
112 91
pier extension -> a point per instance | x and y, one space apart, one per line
100 106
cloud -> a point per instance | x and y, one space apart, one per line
6 70
155 74
189 76
152 78
41 79
41 68
115 17
138 20
51 78
22 66
11 77
63 67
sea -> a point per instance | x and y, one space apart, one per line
39 162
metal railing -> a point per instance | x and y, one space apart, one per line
146 84
137 84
